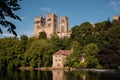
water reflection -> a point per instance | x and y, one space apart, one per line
63 75
84 75
58 75
25 75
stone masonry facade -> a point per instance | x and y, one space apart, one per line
52 25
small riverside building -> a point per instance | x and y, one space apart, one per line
59 58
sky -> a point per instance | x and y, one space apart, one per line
78 11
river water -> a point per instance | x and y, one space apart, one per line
58 75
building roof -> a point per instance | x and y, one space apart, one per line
63 52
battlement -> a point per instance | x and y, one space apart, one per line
39 18
64 17
51 15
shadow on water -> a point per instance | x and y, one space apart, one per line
58 75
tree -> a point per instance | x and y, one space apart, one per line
109 55
39 54
90 52
83 33
56 41
42 35
24 37
10 53
74 59
23 42
7 8
65 43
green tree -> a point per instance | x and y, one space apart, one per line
7 8
10 53
84 33
24 37
90 52
56 41
74 59
66 42
39 54
109 55
42 35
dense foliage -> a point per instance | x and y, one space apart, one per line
33 52
99 44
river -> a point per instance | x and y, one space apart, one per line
58 75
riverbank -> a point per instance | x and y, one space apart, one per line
66 69
47 68
100 70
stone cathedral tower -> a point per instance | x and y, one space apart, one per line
50 26
39 24
63 26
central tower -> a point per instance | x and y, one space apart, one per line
51 24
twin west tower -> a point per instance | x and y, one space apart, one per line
51 25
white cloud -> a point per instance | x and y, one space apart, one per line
47 9
115 5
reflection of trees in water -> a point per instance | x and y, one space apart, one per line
25 75
75 75
36 75
80 75
58 75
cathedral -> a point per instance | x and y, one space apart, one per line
51 24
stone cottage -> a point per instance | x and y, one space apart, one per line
59 58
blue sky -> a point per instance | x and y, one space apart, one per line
78 11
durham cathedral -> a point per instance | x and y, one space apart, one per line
51 24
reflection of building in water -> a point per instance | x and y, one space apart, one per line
84 77
58 75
